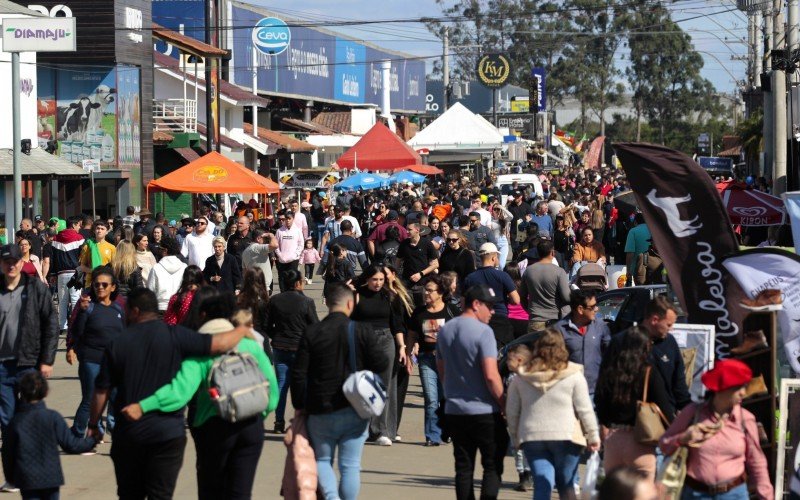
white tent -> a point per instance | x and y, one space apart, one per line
458 130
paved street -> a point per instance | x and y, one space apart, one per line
404 470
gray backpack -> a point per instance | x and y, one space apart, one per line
237 386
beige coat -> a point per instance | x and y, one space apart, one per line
300 469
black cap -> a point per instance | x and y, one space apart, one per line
38 218
481 293
392 215
424 231
517 193
10 252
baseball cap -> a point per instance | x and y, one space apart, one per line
173 223
215 326
10 252
305 204
38 218
480 293
392 215
517 193
424 231
488 248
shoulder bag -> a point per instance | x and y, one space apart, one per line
363 389
650 421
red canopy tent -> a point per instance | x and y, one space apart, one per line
379 149
748 207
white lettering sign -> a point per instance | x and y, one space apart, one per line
56 11
133 22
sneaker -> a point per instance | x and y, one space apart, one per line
523 484
398 438
280 427
8 488
89 453
310 282
383 441
430 443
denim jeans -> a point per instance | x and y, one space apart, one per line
502 246
67 297
347 431
738 493
87 373
554 464
284 360
431 390
9 375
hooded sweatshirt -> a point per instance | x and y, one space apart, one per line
551 406
165 279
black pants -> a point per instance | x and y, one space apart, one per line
519 327
309 271
471 433
402 390
227 457
45 494
502 328
282 270
147 470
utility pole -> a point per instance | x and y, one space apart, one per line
791 49
16 135
445 66
769 44
778 105
758 19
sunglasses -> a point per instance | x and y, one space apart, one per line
202 223
101 284
452 240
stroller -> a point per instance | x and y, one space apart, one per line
591 276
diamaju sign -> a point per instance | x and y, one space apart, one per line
493 70
44 34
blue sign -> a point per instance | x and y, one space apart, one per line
349 84
271 36
180 16
715 163
541 102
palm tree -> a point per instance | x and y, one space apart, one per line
750 132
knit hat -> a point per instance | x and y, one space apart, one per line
727 373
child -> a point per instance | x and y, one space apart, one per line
309 257
518 360
30 448
244 317
339 269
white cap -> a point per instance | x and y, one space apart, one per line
215 326
488 248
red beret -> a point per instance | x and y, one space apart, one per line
727 373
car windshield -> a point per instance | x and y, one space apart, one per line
609 307
507 188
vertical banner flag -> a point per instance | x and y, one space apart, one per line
792 201
762 269
690 227
592 158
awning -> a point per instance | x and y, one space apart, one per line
263 147
188 154
39 164
748 207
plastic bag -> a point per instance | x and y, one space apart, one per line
589 482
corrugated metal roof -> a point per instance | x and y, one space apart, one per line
38 164
283 141
186 43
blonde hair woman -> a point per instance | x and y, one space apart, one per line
222 270
125 268
550 416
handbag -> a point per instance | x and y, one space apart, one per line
650 421
363 389
672 473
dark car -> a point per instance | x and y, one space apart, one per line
620 308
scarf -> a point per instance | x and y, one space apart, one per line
94 251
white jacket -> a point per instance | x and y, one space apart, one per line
165 279
198 248
550 406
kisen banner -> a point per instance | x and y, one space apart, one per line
762 269
691 230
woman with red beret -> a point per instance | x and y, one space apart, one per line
722 438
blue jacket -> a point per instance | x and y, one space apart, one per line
587 349
30 447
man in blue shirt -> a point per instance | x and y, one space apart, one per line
637 244
503 287
466 358
542 219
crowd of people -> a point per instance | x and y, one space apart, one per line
440 277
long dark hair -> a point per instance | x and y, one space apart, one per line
195 317
334 261
192 275
254 289
621 377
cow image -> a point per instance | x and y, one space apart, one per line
669 205
84 114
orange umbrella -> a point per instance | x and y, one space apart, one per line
424 169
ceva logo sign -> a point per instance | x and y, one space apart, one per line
271 36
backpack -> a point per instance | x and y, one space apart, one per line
237 386
363 389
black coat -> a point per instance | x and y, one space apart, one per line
30 447
231 273
38 333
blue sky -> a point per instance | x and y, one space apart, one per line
716 34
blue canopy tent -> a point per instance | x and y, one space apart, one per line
406 176
362 181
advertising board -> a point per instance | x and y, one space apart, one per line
39 34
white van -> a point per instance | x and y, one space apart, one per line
505 183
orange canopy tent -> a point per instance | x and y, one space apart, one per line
424 169
379 149
213 174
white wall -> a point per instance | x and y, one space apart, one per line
361 120
27 73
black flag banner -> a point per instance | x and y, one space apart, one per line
690 227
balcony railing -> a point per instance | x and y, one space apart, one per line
175 115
